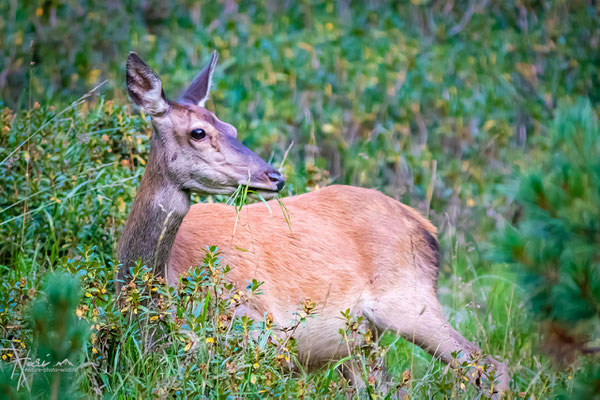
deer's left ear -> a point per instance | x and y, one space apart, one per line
197 93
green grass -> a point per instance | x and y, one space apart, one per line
403 98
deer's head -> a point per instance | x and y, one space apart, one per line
197 151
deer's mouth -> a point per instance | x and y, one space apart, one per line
267 187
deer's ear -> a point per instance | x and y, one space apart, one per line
197 93
144 87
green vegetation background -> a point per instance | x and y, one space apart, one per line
440 104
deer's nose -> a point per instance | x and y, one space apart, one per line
276 177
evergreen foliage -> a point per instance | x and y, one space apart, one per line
555 244
58 338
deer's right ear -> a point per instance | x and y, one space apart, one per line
144 87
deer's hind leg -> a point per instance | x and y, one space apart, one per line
418 317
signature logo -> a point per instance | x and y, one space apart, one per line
64 365
23 364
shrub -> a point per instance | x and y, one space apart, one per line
555 244
57 340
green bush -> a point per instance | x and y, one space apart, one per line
57 339
555 244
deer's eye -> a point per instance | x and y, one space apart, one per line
198 134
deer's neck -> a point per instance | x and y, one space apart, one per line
155 217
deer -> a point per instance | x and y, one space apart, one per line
344 247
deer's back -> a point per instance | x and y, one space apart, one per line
340 242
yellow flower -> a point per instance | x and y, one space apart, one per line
93 75
94 350
210 340
256 366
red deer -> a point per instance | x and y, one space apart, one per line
345 248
